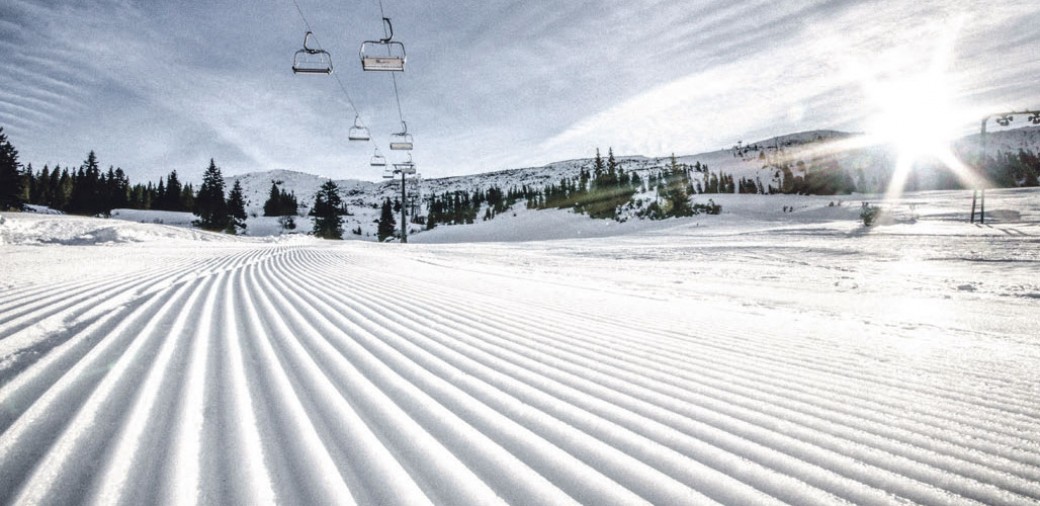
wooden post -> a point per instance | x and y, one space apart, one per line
982 168
404 212
982 207
974 197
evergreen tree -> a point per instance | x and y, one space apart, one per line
386 221
172 197
28 185
612 168
44 187
328 224
280 202
237 209
675 191
272 207
87 195
120 189
210 206
187 202
64 189
290 206
10 176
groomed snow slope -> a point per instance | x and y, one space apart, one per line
810 363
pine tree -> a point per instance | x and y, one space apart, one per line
237 209
280 202
328 224
386 221
28 185
172 197
64 189
210 206
159 199
87 188
271 207
675 191
10 177
612 168
45 187
187 202
290 207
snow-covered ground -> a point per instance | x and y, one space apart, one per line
757 357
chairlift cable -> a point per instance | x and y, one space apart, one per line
397 96
342 87
304 18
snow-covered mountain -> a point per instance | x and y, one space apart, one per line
743 160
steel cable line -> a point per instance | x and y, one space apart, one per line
393 77
342 87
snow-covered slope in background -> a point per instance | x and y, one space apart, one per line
869 166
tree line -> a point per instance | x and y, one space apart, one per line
88 190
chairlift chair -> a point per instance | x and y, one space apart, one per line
401 141
358 132
406 167
388 174
373 59
311 61
378 160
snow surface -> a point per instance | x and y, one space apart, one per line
757 357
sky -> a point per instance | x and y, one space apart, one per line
490 84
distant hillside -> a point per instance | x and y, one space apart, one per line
754 166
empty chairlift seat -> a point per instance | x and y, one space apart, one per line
378 160
358 132
401 141
310 61
406 167
383 55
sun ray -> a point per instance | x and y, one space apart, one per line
904 165
915 113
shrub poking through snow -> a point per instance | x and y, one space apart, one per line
869 214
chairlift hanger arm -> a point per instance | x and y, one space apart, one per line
308 48
390 27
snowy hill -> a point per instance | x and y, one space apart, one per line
869 167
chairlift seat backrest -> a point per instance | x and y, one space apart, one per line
384 55
358 134
383 63
402 145
311 61
401 141
304 63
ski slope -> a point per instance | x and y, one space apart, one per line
784 363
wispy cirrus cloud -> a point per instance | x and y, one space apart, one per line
816 78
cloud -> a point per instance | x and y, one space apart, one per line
777 88
490 85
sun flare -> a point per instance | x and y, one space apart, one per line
916 115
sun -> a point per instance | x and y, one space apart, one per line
916 115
